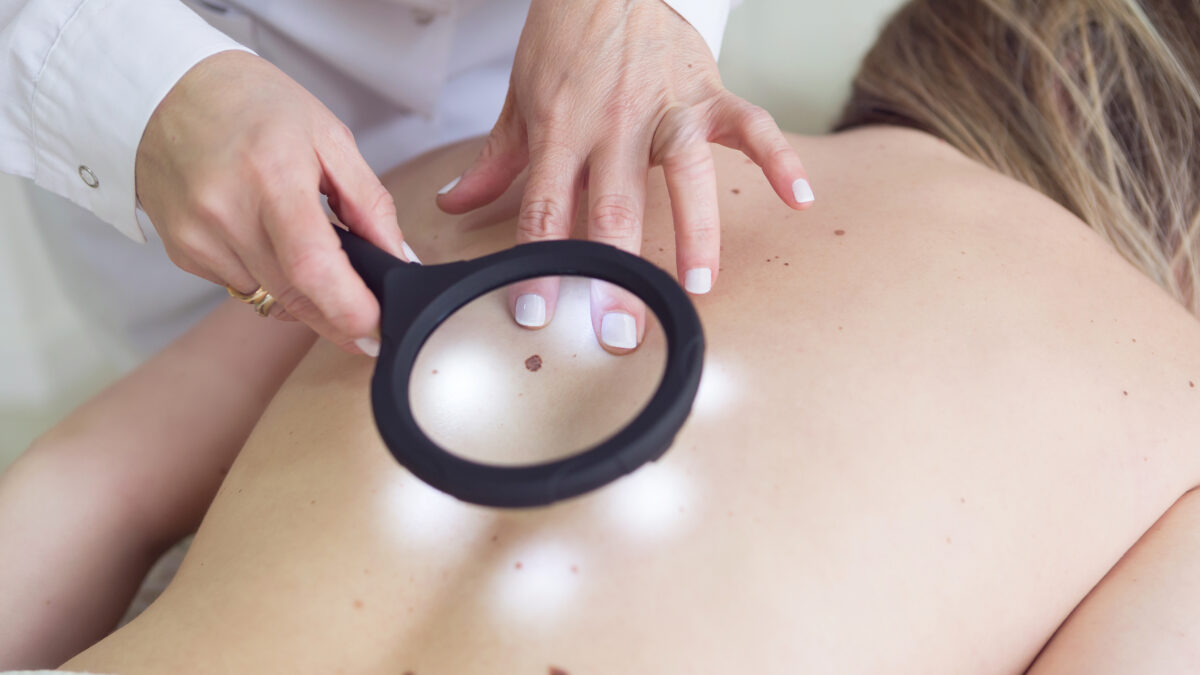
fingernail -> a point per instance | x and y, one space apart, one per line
698 281
408 253
531 311
619 330
802 191
449 186
369 346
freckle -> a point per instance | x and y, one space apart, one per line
312 503
574 569
963 252
533 363
1145 459
962 500
495 537
358 604
839 328
777 257
661 249
239 491
1133 339
839 232
949 540
768 260
559 671
736 191
574 355
366 571
689 65
435 371
518 565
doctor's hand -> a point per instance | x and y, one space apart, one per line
601 91
231 168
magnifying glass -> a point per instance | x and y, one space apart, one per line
418 299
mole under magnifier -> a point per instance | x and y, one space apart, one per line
415 299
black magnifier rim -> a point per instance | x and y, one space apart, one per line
416 299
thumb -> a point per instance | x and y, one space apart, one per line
502 159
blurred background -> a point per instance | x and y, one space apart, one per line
793 57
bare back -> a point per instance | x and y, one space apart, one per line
936 410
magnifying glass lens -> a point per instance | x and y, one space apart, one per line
491 391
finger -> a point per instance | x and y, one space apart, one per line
746 127
197 252
692 186
547 213
316 269
617 201
355 192
503 158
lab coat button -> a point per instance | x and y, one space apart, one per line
89 179
423 17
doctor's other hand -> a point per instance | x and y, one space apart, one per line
600 92
231 168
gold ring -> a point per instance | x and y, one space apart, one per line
252 298
263 306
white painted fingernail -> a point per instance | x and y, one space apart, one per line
531 311
619 330
450 186
369 346
408 253
698 281
802 191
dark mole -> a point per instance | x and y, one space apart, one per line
358 604
787 264
533 363
736 191
1124 392
518 565
554 670
839 232
768 260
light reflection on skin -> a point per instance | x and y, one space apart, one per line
650 504
537 581
428 518
718 389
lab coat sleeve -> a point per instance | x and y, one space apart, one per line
79 80
708 17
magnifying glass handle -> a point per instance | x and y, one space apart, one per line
371 262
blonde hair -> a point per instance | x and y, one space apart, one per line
1095 103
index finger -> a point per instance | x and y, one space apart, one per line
313 261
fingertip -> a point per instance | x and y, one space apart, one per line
532 303
802 192
618 318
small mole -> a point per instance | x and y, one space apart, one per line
495 537
839 232
768 260
519 565
962 500
435 371
949 540
358 604
689 65
533 363
1125 393
1145 459
1191 384
661 249
839 328
554 670
239 491
1133 339
963 252
409 672
777 257
574 355
736 191
574 569
312 503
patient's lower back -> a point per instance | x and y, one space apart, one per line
922 398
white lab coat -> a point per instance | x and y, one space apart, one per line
80 78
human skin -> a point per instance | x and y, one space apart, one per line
937 411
